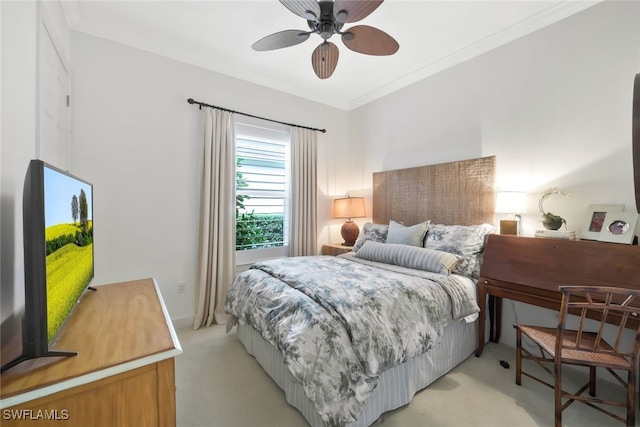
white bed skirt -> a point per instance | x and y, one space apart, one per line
396 387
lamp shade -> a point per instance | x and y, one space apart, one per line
511 202
349 207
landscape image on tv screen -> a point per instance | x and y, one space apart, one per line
69 244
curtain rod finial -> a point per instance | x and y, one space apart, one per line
190 101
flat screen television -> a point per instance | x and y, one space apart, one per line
57 210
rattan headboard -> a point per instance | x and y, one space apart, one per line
459 192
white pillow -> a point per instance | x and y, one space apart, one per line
409 256
403 235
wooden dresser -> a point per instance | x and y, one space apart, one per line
123 374
530 269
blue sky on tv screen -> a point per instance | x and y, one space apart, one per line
59 189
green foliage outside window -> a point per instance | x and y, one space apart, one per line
255 230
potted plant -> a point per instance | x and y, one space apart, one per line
549 220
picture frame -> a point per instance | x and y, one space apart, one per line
619 227
594 221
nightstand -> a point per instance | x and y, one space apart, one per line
335 249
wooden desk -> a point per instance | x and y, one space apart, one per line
530 269
123 374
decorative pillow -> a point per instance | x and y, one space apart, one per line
409 256
375 232
412 236
465 240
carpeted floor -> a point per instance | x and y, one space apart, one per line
219 384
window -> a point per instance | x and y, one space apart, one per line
262 191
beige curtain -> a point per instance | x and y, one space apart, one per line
217 255
303 227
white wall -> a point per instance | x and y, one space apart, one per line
135 137
21 23
17 148
553 106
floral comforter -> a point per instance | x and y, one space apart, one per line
340 323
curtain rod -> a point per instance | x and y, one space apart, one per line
202 104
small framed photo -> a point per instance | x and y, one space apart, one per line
619 227
594 221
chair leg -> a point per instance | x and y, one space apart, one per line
557 379
518 356
631 398
592 380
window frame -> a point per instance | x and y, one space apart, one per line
250 129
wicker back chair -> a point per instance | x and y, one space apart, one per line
559 346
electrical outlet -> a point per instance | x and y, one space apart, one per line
182 287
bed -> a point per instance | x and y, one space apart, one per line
348 338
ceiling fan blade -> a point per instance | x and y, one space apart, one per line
324 59
354 10
308 9
281 39
369 40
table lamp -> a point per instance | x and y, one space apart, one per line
512 203
349 207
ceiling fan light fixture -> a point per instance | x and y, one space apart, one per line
342 16
326 30
347 36
309 15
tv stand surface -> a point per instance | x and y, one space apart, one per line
24 358
123 373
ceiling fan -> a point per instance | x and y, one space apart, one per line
326 18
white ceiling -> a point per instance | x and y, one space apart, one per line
218 35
